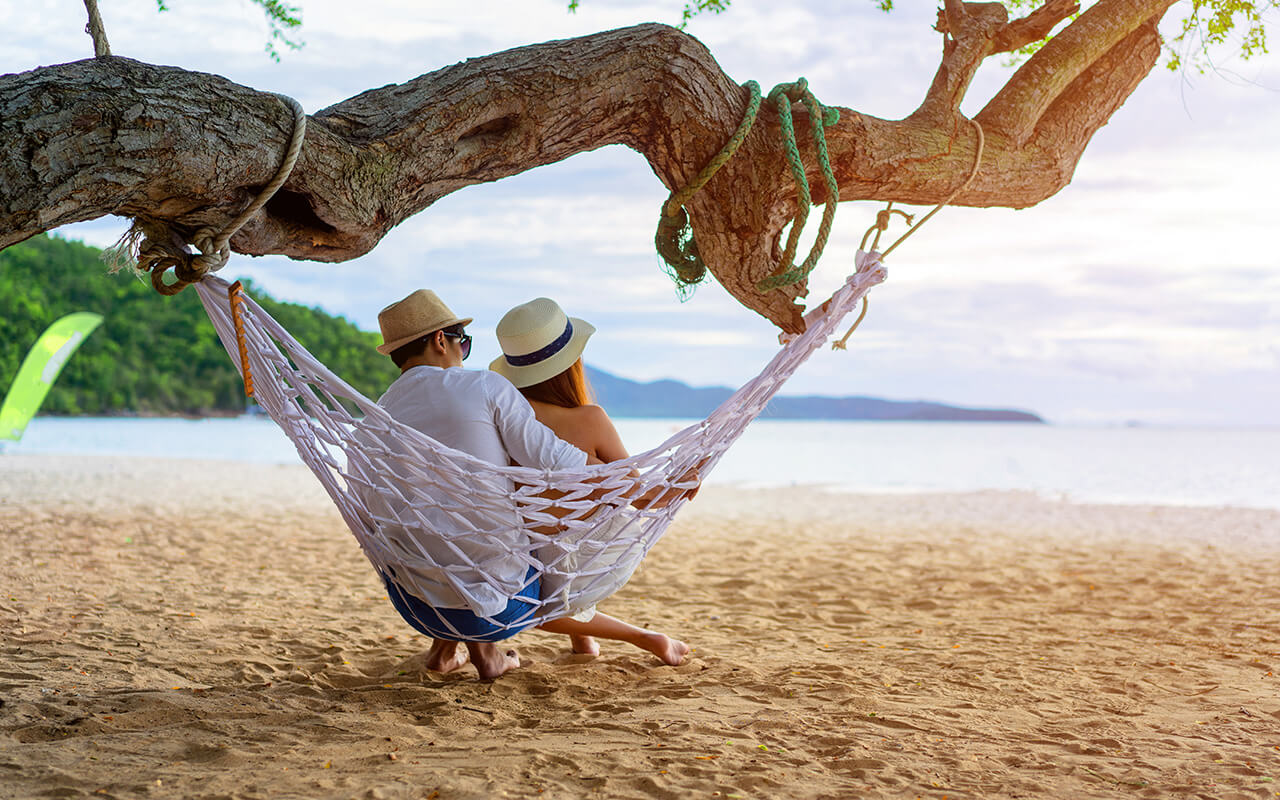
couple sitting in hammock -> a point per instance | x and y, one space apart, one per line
532 408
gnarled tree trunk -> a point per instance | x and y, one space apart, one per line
115 136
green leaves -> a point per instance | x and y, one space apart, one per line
1212 23
153 354
283 20
693 8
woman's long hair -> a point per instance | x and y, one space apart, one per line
569 389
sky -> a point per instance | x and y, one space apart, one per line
1147 291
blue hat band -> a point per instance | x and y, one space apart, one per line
550 350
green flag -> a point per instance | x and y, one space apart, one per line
40 369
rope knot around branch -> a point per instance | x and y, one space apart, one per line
155 246
675 240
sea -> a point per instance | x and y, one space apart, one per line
1121 465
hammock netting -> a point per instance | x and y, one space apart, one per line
446 524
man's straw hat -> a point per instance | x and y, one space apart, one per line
414 317
539 341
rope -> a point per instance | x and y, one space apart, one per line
235 299
679 198
96 30
674 238
884 216
159 247
973 173
820 117
675 241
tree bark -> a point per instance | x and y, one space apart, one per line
115 136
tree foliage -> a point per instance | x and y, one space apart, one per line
283 20
1209 25
152 355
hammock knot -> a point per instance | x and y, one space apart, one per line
871 270
156 247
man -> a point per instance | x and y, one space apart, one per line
481 413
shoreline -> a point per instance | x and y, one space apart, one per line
200 629
128 469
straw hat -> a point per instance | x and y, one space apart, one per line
414 317
539 341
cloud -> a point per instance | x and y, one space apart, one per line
1145 289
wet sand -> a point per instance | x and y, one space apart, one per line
211 630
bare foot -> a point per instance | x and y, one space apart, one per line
490 661
445 656
671 651
584 645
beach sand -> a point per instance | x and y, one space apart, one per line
211 630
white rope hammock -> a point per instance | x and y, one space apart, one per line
441 521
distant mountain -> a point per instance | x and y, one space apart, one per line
668 398
158 355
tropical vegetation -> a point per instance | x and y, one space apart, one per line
152 355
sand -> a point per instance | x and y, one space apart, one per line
210 630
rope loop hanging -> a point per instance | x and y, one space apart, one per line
156 247
235 301
783 96
674 238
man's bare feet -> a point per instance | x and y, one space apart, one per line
584 645
445 656
671 651
490 661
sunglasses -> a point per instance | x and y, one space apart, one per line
464 341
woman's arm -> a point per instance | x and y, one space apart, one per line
609 447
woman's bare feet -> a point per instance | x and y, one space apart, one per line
444 656
584 645
671 651
490 661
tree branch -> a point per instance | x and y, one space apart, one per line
1034 27
1016 109
967 30
114 136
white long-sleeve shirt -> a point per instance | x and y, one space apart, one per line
481 413
478 412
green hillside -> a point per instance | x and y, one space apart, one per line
153 354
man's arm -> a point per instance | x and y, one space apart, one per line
529 442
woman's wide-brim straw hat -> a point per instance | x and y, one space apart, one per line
414 317
539 341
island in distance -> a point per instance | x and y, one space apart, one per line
673 399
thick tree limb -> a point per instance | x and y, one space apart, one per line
114 136
1016 109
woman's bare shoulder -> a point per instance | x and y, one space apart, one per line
592 411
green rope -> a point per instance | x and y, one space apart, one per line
820 117
675 241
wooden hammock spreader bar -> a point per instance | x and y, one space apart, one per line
235 295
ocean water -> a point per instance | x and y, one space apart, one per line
1168 466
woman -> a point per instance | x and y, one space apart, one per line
542 355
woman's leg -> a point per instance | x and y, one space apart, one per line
671 651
